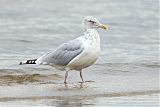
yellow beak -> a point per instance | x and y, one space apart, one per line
103 26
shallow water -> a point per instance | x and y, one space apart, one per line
126 74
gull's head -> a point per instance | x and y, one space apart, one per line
90 22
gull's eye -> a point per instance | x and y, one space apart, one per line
91 21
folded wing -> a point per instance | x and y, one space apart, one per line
63 54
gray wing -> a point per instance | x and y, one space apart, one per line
63 54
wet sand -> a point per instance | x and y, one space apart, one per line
110 88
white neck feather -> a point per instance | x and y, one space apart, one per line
91 34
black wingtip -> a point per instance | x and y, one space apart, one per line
32 61
20 63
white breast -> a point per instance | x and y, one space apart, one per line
90 54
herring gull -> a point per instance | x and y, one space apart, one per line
76 54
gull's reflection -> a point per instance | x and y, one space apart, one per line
79 85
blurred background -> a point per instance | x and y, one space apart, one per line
129 60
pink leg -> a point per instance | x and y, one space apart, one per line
65 79
81 76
